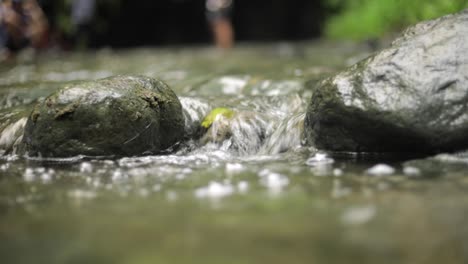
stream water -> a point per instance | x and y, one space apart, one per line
257 196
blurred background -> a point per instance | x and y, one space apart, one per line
129 23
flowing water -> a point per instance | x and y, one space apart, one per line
246 192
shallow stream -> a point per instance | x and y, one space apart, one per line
257 196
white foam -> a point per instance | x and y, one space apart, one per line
340 191
359 215
319 159
338 172
5 167
29 175
157 187
243 187
381 170
46 177
82 194
275 182
232 85
117 175
411 171
234 168
172 196
215 190
180 176
86 167
143 192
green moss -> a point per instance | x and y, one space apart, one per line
210 118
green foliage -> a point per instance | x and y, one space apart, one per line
210 118
363 19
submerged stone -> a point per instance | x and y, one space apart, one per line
121 115
411 97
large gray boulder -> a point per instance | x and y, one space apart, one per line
116 116
410 97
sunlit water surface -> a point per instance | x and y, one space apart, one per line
258 196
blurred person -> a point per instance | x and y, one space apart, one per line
22 24
218 13
82 18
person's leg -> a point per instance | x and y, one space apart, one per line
223 33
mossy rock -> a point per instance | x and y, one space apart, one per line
116 116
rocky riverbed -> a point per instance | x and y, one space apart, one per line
252 190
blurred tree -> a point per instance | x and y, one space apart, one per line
364 19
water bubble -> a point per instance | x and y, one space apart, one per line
143 192
171 196
243 187
86 167
29 175
117 175
157 187
96 183
411 171
11 158
338 172
321 164
319 159
275 182
383 186
108 162
215 190
186 171
234 168
5 167
298 72
381 170
359 215
82 194
339 190
46 177
180 176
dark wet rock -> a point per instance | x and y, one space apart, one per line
410 97
121 115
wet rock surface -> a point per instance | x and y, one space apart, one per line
410 97
121 116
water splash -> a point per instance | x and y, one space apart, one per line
12 135
286 136
194 110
